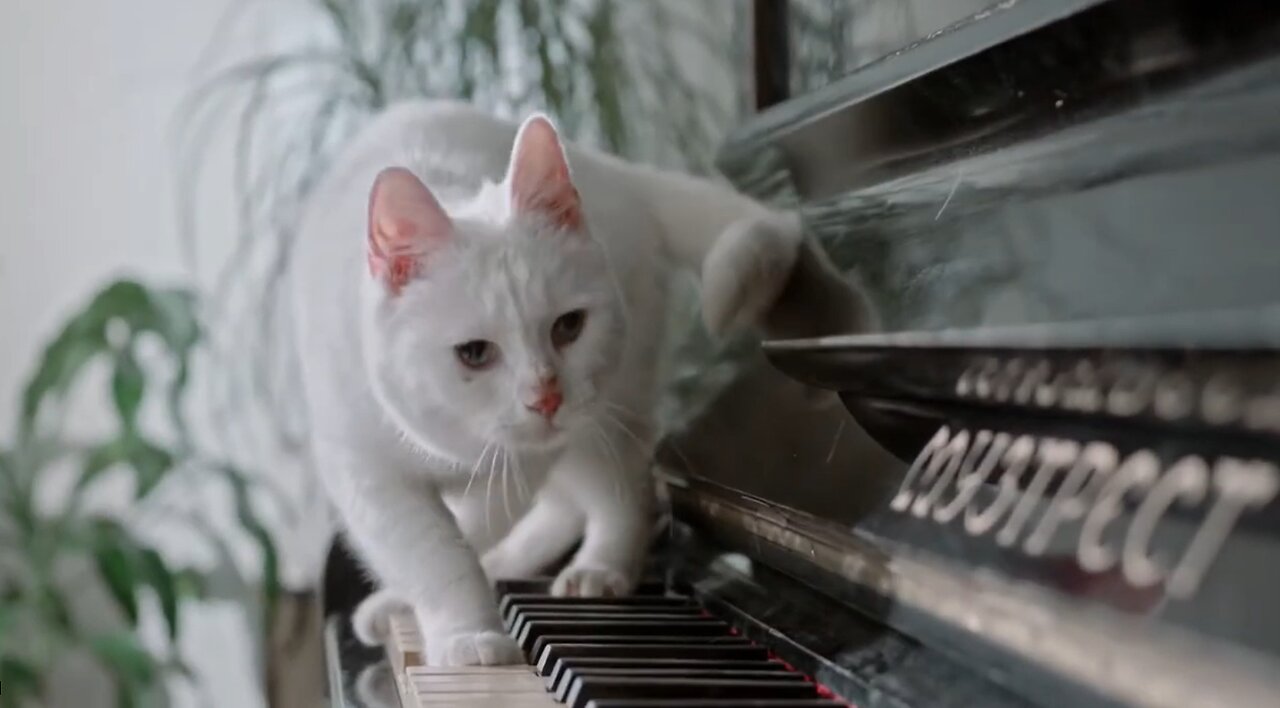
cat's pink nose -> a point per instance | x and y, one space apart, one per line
549 400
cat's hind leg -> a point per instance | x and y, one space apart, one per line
372 619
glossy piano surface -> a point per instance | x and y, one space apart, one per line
1044 162
1059 463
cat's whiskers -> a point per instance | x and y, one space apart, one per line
610 447
506 499
610 450
488 492
642 445
668 444
475 469
620 408
522 491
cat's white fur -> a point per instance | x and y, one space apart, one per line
442 476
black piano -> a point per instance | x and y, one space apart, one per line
1052 477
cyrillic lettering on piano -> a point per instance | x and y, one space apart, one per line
1218 395
1112 503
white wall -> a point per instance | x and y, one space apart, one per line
86 186
87 192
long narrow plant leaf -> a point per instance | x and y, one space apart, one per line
113 556
156 573
134 669
128 383
20 681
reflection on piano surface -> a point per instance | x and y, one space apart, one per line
1055 476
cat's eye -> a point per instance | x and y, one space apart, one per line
476 354
567 327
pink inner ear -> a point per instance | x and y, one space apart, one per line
539 177
405 224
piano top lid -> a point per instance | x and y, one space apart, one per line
1239 330
997 24
1019 69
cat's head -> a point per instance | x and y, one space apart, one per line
499 317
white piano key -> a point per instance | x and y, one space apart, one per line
476 687
465 686
496 683
465 670
480 700
404 643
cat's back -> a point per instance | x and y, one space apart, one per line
449 144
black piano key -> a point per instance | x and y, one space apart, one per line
704 626
593 688
716 703
523 618
644 605
523 586
514 614
573 677
649 586
565 665
547 640
530 599
546 661
514 617
666 605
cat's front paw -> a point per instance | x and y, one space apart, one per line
591 581
747 269
486 648
501 565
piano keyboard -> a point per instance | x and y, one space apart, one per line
642 651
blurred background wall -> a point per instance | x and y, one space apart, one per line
86 181
89 191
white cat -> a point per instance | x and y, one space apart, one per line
478 306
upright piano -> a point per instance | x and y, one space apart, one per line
1052 477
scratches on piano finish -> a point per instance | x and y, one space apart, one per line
846 650
1104 657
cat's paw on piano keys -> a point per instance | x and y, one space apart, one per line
591 581
485 648
374 624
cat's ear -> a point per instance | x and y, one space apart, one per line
538 177
406 223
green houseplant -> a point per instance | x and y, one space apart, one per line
52 552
